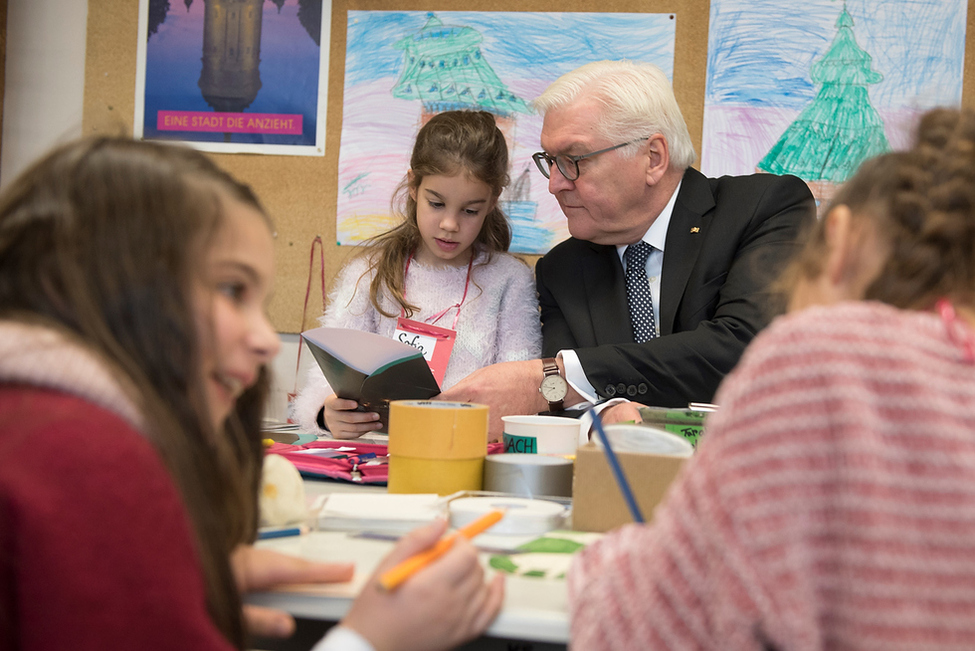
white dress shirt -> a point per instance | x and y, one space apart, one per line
656 236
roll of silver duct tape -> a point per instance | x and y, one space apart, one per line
528 475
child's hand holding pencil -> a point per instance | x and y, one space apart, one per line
392 578
440 605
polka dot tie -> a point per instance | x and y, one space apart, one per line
638 292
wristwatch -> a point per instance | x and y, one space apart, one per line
553 387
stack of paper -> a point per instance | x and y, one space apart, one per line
379 512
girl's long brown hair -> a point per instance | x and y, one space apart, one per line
103 239
452 142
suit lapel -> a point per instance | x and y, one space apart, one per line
685 235
606 292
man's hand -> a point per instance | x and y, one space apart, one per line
443 605
624 412
507 388
261 569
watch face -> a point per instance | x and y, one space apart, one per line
553 388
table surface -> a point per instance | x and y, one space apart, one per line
534 609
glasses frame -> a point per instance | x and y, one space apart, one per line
542 158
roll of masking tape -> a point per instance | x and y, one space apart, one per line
442 476
436 447
424 429
528 475
522 517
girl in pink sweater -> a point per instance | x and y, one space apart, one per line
831 504
444 266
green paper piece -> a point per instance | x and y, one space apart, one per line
503 564
551 546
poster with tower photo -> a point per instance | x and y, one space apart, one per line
817 91
235 76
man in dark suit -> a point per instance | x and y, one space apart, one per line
617 154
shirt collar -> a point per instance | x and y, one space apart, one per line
656 235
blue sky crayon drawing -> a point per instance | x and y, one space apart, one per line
813 91
401 65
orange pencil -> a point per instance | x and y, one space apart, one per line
395 576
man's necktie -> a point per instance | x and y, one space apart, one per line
638 292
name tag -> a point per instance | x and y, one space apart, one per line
423 343
433 342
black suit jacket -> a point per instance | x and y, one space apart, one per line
727 239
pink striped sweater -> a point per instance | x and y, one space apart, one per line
830 506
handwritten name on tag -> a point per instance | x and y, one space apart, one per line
422 343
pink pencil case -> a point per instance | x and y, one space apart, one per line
361 463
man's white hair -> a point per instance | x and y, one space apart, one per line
637 100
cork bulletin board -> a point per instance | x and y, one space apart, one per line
300 192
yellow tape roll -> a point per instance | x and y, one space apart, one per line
442 476
423 429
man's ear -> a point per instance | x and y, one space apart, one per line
658 158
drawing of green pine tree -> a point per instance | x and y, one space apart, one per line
444 68
839 129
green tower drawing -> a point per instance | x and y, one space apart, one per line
445 69
839 129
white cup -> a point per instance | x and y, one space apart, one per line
541 434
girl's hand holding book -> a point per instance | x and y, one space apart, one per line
344 422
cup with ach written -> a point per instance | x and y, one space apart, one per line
540 434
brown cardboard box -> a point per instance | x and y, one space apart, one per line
598 505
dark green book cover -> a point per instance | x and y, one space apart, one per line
371 369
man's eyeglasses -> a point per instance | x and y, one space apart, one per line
569 165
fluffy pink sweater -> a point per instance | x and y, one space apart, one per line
498 321
831 504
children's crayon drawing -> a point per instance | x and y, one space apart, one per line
233 75
816 91
403 67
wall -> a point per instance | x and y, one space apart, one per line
42 106
45 79
46 75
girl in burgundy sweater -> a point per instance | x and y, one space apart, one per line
134 279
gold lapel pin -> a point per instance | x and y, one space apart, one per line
695 230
